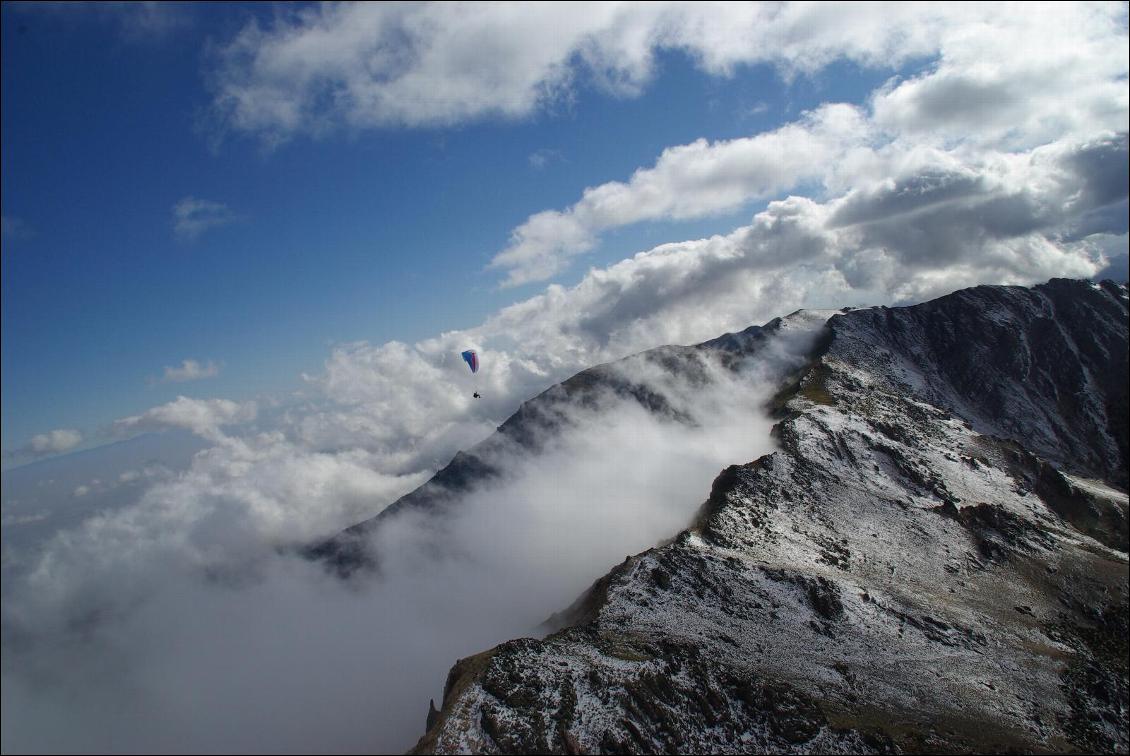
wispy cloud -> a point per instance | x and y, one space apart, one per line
541 158
150 21
192 217
14 228
136 22
758 108
190 370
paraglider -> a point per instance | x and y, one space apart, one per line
472 360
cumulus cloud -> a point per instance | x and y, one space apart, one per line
1019 79
190 370
192 217
204 417
992 94
55 441
44 444
700 179
688 181
311 71
1001 83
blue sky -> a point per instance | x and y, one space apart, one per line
377 235
378 222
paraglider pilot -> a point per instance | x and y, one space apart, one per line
472 361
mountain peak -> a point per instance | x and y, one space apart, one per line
935 558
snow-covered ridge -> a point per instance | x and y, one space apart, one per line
1043 366
934 559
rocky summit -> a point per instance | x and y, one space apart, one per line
934 559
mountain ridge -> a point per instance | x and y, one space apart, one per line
349 552
904 573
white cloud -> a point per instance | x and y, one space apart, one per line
192 217
44 444
688 181
1018 79
204 417
193 583
55 441
1003 80
190 370
315 70
934 225
1002 85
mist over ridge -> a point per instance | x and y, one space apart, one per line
189 589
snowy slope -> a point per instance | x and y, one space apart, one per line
935 559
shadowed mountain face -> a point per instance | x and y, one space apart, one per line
1045 366
934 559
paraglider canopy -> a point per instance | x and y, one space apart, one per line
472 360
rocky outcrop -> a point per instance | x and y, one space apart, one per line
935 559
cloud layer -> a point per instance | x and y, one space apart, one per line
268 652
